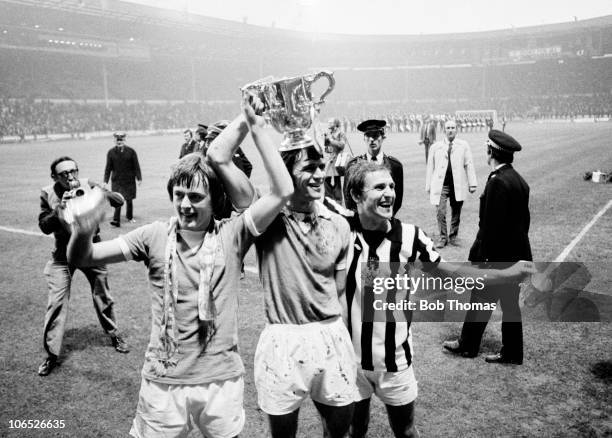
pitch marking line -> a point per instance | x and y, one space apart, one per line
254 270
20 231
251 269
581 234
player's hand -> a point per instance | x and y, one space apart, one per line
520 269
139 182
253 108
88 211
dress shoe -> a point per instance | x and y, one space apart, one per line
499 358
47 366
120 345
455 348
115 224
441 243
132 221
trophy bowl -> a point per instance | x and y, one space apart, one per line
86 210
289 106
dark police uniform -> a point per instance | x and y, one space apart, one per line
123 169
501 241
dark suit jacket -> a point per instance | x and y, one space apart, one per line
123 169
188 148
504 219
242 162
397 174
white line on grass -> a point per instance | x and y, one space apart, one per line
20 231
251 269
581 234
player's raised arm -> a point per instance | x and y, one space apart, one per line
220 154
265 209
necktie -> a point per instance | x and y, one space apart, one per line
450 148
375 159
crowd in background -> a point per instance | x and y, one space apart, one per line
24 117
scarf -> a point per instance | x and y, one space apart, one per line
168 343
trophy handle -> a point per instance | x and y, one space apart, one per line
330 87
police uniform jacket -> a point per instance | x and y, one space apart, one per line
123 170
188 148
504 219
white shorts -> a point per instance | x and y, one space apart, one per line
169 410
394 389
293 362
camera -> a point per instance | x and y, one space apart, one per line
76 190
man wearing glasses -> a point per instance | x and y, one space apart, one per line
58 272
373 135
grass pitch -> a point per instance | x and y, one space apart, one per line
563 388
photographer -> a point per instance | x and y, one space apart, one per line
52 219
335 141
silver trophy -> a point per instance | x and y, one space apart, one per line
289 106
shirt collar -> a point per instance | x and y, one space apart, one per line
319 211
379 157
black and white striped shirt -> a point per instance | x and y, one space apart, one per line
382 346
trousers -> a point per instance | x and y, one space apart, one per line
59 278
448 192
512 328
129 212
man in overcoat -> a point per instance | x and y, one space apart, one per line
123 169
450 175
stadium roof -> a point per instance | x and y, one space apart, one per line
94 16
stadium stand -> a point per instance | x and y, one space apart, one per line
76 66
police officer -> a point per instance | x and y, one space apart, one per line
373 136
502 239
